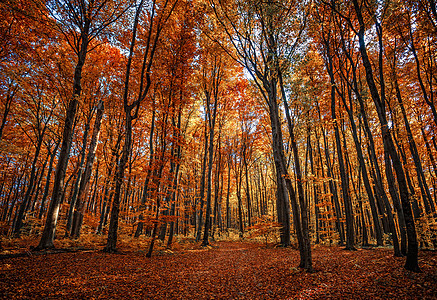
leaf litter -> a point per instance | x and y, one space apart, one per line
227 270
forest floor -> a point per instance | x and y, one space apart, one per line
224 270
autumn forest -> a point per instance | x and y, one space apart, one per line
298 126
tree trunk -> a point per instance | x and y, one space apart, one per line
84 183
363 169
344 178
38 185
111 244
228 208
304 242
145 194
30 186
246 176
426 195
73 200
175 184
211 115
48 234
9 97
108 186
202 187
216 187
333 187
412 255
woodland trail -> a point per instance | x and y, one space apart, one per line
227 270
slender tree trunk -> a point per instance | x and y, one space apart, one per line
156 196
202 188
305 242
240 213
428 99
9 97
316 191
212 118
8 214
131 110
92 203
333 187
48 234
38 185
7 203
84 183
429 151
228 207
111 245
426 195
155 228
47 184
174 170
73 200
108 187
282 203
145 194
247 189
216 186
350 239
175 185
412 255
363 169
30 186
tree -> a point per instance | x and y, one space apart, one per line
256 45
80 23
212 91
159 14
379 101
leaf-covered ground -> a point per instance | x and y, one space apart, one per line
227 270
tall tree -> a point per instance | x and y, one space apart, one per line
256 30
80 23
212 92
159 15
379 101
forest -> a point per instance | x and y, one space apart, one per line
303 127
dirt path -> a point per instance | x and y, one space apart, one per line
228 270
